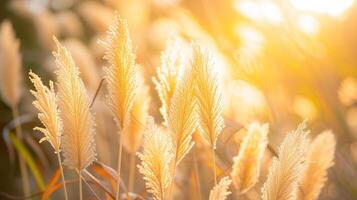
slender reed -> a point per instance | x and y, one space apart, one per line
121 77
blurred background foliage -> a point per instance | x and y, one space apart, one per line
282 61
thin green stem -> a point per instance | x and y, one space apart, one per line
119 168
62 175
23 169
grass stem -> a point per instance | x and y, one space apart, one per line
119 168
62 175
23 169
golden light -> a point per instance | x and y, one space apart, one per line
259 11
308 24
305 108
252 41
330 7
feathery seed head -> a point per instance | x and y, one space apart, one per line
320 158
173 61
46 103
10 65
246 166
221 190
121 75
182 118
155 160
286 171
208 92
78 123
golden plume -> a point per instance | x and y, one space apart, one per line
46 103
155 160
220 191
139 115
169 72
209 96
246 166
182 118
287 169
121 75
78 123
320 158
10 65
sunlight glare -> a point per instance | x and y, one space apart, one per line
259 11
308 24
330 7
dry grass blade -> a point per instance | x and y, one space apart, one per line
209 95
155 160
10 65
220 191
182 120
246 166
320 158
78 123
172 62
121 75
286 171
46 104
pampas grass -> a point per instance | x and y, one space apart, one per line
155 160
173 60
10 65
10 84
246 165
46 103
320 158
221 190
133 136
182 119
121 77
209 99
78 123
287 169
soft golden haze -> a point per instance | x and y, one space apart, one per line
178 99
